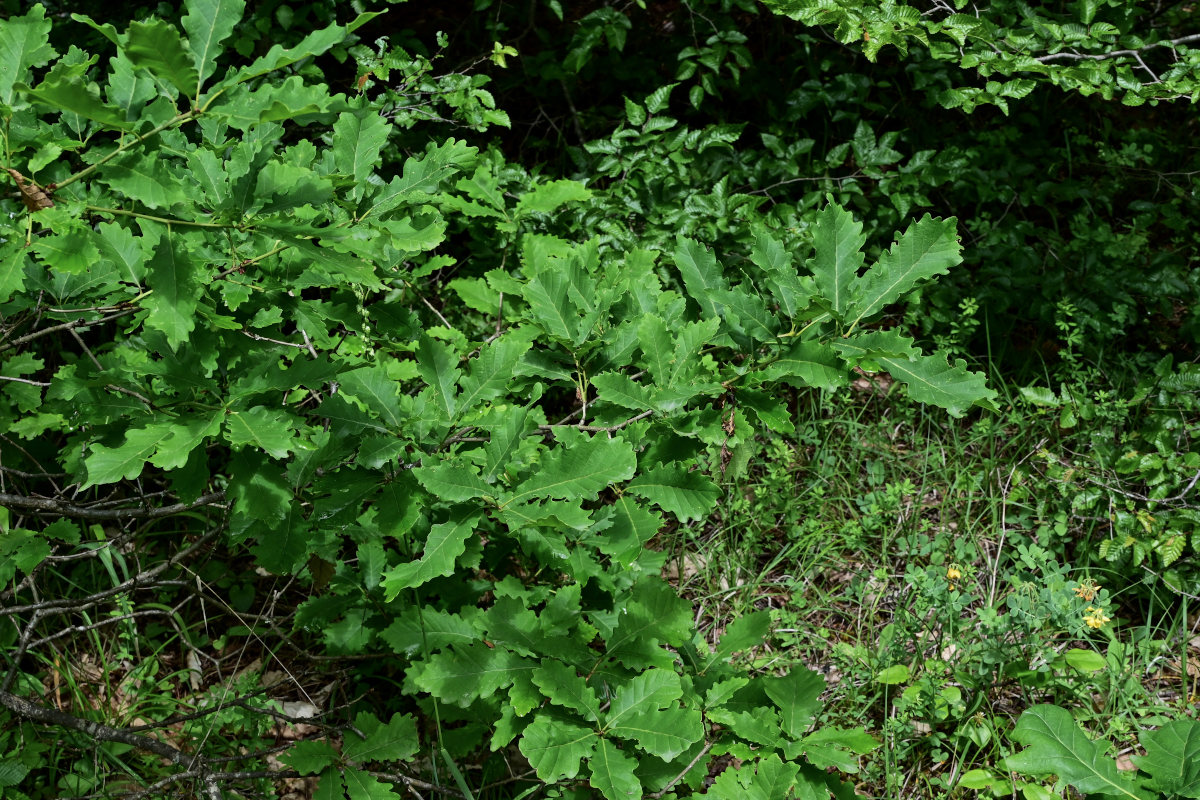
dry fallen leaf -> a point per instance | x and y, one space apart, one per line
34 198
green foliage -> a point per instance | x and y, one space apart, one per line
1064 201
488 475
1135 483
954 642
1056 744
1090 48
470 407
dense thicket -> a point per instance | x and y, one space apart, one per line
1065 198
412 347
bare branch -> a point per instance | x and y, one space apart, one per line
23 380
258 338
1172 588
410 782
429 305
1184 493
1148 70
1117 53
72 325
51 506
151 612
312 351
703 752
600 428
21 474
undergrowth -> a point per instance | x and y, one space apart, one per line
935 573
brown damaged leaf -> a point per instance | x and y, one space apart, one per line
34 197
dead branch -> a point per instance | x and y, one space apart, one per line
51 506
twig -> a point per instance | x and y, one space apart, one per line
23 380
124 500
131 393
246 775
575 413
595 428
155 789
52 506
1135 495
152 612
102 309
100 368
1143 63
137 138
45 472
1117 53
142 580
1175 589
73 324
765 189
409 782
429 305
241 265
312 351
524 776
21 474
258 338
279 748
86 349
1182 494
703 752
574 111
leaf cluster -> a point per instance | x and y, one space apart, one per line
1056 744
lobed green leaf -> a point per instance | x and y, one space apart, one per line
208 24
446 542
579 470
838 241
1055 744
156 46
687 494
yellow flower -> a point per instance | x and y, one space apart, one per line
1094 617
953 573
1087 590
